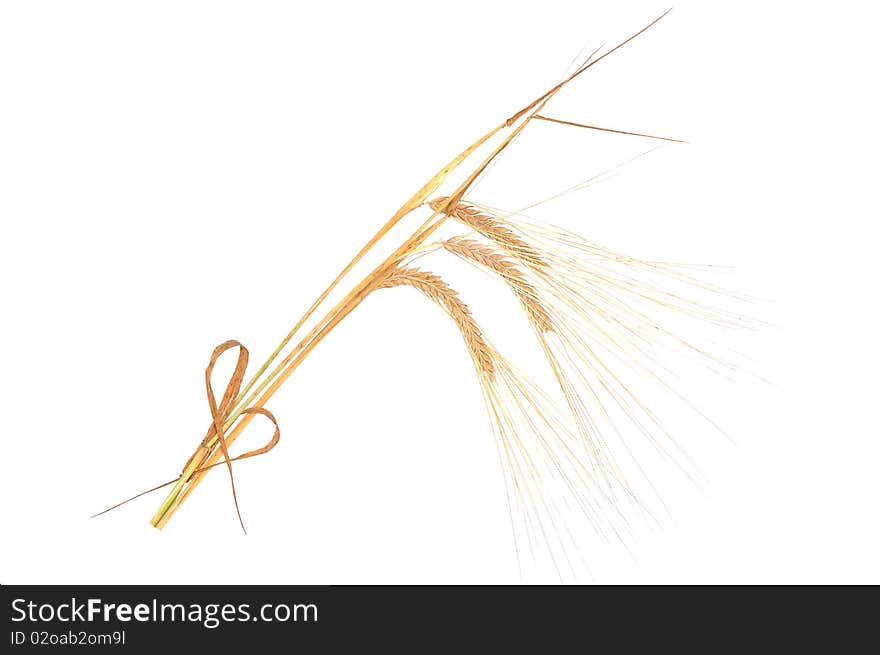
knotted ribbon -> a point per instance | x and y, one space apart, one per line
220 414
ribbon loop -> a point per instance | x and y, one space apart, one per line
276 437
220 415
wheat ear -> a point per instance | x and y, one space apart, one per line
492 228
540 316
437 289
492 259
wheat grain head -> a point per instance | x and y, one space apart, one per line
492 259
548 480
437 289
492 228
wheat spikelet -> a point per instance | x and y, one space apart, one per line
492 228
436 288
493 260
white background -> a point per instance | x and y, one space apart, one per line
173 174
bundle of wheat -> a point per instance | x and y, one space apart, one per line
595 313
